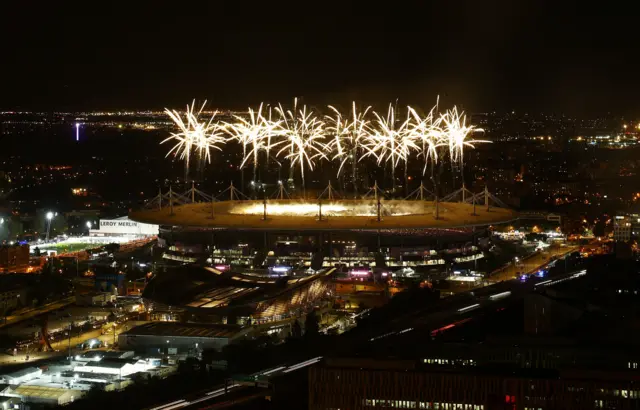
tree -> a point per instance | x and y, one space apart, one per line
296 330
112 247
311 325
598 228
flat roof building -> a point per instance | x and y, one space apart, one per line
172 337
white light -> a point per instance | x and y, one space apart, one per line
49 215
89 224
500 295
466 309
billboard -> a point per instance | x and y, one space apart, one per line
125 226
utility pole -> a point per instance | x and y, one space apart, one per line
70 325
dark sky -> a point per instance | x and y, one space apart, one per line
483 55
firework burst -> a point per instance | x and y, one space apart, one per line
194 136
302 140
347 134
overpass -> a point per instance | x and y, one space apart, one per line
547 216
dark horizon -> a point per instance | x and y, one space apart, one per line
528 57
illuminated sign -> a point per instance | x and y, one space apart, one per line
126 227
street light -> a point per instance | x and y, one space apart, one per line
49 218
89 226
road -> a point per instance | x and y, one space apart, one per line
61 347
11 319
530 264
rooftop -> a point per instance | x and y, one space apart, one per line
44 391
227 215
173 329
22 372
110 362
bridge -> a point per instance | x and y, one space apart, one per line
547 216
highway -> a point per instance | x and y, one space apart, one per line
530 264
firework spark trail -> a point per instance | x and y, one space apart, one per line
429 133
251 133
299 136
194 135
303 141
390 142
347 135
457 132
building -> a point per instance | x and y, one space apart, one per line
51 396
12 296
229 296
124 227
626 226
367 384
108 280
95 299
21 376
174 338
113 366
14 258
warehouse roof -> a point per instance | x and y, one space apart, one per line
184 330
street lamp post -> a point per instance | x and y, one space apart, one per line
49 217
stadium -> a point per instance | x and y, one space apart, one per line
309 238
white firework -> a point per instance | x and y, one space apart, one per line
194 136
347 134
302 140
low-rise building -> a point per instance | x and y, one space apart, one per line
95 299
14 258
22 375
174 338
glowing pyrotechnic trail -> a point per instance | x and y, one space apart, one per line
194 135
347 134
303 141
302 138
457 132
388 141
254 134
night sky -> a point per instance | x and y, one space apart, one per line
524 55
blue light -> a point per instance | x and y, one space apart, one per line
523 278
541 273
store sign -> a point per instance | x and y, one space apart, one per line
127 227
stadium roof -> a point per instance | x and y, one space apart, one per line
451 215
